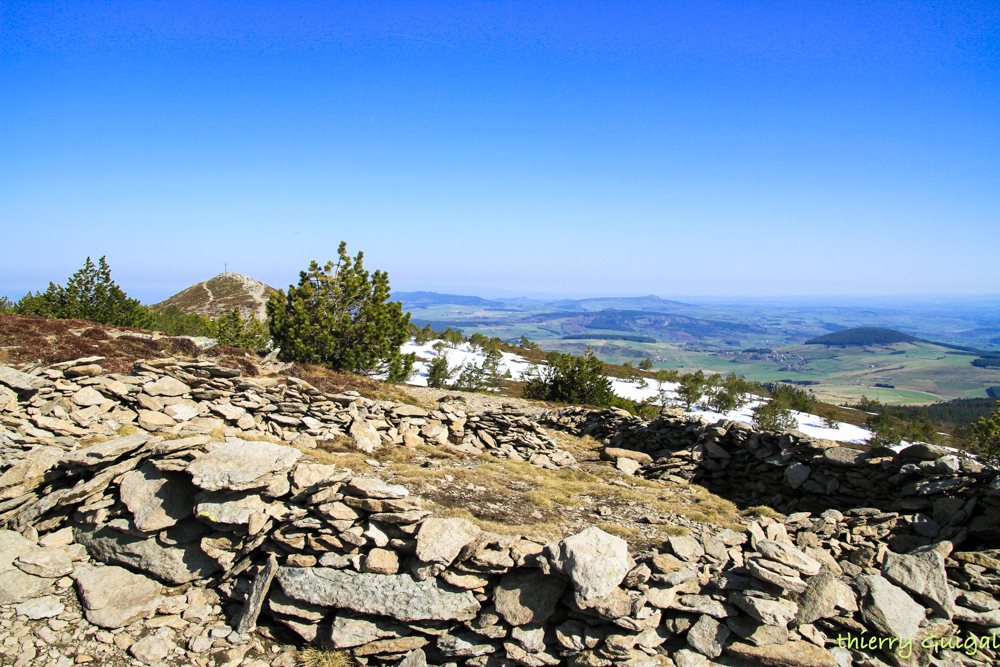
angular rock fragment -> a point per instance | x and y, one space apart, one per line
595 561
399 596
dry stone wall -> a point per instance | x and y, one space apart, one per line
182 548
936 493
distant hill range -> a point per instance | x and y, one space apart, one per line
424 299
221 294
863 336
650 303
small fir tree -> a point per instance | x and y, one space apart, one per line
340 316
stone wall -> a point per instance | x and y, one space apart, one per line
180 546
939 494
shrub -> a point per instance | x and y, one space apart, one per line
646 364
89 294
986 439
692 388
884 429
438 372
773 416
340 317
570 379
174 321
233 329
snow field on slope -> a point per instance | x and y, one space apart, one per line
809 424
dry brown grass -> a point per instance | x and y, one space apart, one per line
759 511
543 532
624 532
323 657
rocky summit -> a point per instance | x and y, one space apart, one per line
181 515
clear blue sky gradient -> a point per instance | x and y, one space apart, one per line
698 148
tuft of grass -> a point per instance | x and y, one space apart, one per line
761 511
539 532
323 657
127 429
624 532
673 531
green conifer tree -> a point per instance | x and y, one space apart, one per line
339 316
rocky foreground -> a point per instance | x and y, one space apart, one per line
175 516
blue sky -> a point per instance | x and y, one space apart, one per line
672 148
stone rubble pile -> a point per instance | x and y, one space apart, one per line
182 549
930 491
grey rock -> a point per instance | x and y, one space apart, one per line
15 585
790 556
686 548
113 597
441 540
39 608
796 474
791 654
708 636
399 596
366 487
51 562
155 421
923 574
151 649
229 509
757 633
246 621
844 456
888 609
527 596
823 596
769 612
28 473
18 381
173 564
595 561
688 658
157 499
166 386
349 631
365 436
702 604
240 465
415 658
106 452
87 396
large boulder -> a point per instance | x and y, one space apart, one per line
595 561
400 596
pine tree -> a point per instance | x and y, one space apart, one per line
570 379
339 316
986 439
89 294
233 329
438 372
